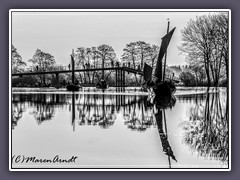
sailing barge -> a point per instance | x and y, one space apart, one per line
102 84
161 87
73 86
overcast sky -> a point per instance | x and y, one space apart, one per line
58 33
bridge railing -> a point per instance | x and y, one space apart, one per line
106 65
36 69
86 66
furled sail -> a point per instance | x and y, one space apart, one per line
147 72
165 42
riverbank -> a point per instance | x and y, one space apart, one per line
112 91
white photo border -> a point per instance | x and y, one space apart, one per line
114 10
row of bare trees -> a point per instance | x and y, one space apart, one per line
139 52
94 57
205 42
135 54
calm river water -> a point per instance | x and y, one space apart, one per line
124 130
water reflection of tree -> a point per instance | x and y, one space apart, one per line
44 106
94 111
138 115
101 110
17 113
207 129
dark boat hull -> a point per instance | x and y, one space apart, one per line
164 88
73 87
102 85
164 102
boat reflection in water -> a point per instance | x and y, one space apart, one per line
162 104
145 118
205 127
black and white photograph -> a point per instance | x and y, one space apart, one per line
120 89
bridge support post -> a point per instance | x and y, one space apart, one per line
57 81
118 78
121 73
123 80
116 83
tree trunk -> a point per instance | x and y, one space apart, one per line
80 76
206 64
134 66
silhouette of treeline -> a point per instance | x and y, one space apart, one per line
134 55
207 129
205 44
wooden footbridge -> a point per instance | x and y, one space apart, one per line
120 72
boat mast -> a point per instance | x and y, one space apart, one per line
164 66
103 59
73 68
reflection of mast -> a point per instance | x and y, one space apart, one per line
165 124
163 135
103 106
73 111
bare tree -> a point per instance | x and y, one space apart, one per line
107 55
205 40
17 64
130 52
143 50
42 61
138 53
153 54
81 62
